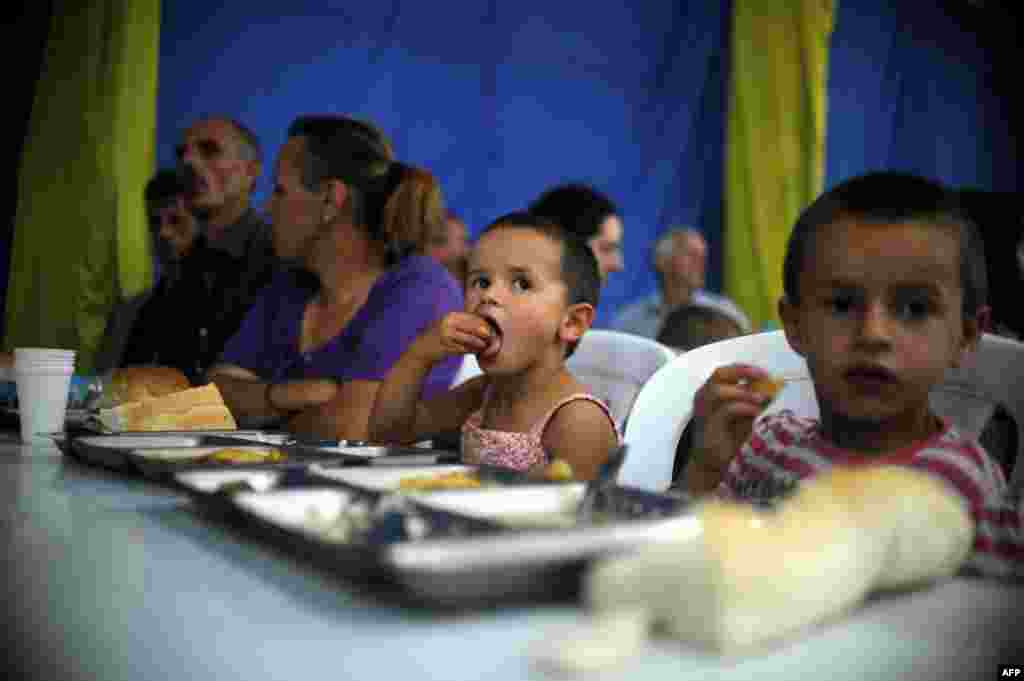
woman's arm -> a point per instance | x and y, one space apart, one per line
254 402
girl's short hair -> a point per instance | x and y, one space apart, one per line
579 268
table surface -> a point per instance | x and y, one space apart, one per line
108 577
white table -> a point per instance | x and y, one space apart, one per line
110 578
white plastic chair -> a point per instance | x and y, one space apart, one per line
615 366
665 404
994 374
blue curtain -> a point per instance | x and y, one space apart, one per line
912 87
499 100
503 99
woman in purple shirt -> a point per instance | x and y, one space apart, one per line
314 348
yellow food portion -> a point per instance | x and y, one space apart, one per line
558 470
456 480
236 455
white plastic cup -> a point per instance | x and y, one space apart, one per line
32 355
42 399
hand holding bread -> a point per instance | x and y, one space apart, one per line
724 412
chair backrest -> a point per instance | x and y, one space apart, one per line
615 366
665 404
969 394
994 374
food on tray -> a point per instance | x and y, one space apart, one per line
558 470
454 480
200 408
135 384
235 486
751 576
352 521
240 455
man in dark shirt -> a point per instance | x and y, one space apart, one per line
187 325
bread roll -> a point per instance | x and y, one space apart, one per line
134 384
200 408
754 576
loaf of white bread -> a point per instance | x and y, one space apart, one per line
749 577
160 398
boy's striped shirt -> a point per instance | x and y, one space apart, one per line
785 448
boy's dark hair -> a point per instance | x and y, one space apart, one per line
890 197
577 208
578 264
689 326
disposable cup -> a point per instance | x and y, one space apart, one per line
42 400
28 363
42 353
23 362
43 358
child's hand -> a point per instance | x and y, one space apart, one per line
724 411
457 333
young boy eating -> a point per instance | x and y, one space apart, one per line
884 290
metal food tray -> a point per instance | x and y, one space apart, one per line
431 548
161 454
377 454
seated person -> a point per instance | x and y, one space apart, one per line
590 215
530 296
312 352
173 229
884 291
680 264
222 271
450 246
691 326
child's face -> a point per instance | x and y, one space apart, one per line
514 280
880 320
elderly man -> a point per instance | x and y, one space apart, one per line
680 262
229 261
220 160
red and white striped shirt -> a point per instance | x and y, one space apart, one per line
785 448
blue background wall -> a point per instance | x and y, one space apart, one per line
501 100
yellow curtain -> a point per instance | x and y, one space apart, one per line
80 238
775 140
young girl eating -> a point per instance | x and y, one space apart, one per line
531 291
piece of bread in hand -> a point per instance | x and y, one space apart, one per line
134 384
768 386
199 408
752 576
